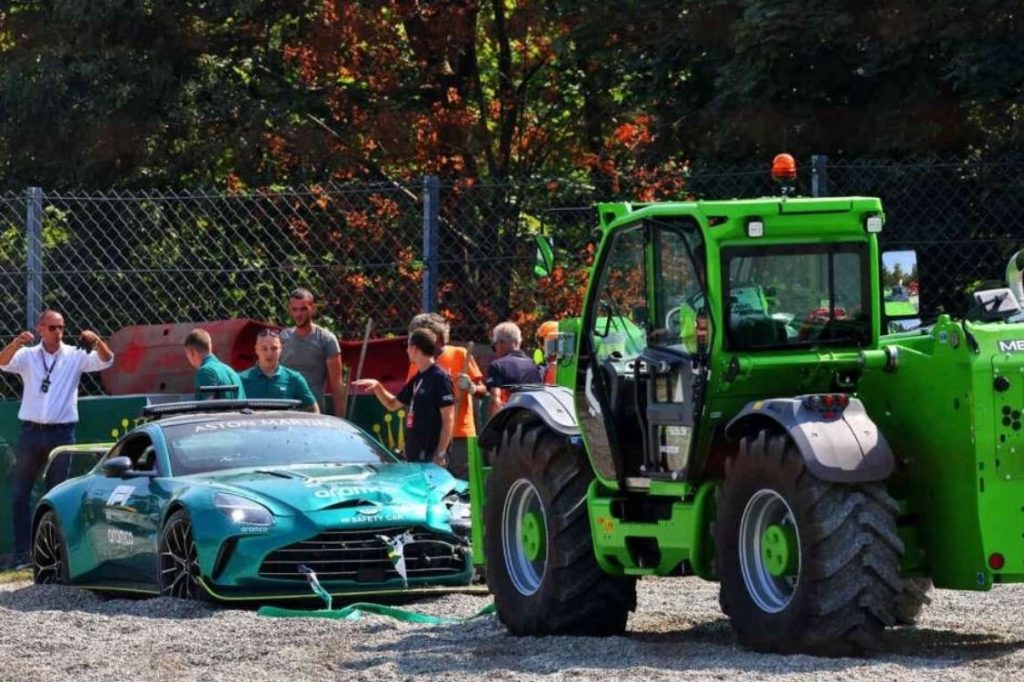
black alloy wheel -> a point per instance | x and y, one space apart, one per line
179 560
50 552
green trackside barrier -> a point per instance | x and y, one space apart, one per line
356 611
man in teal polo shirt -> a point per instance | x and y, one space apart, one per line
268 378
209 370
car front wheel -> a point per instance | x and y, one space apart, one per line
50 552
179 561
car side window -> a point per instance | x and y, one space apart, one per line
139 449
147 460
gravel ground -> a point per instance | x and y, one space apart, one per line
61 633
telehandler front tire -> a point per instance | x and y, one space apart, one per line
538 547
806 565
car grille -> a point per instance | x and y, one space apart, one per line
362 556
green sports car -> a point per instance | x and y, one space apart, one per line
219 500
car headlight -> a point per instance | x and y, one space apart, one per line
241 510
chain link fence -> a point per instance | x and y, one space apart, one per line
108 260
117 259
964 218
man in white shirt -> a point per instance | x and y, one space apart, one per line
50 372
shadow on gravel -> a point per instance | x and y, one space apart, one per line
484 648
62 598
715 632
943 646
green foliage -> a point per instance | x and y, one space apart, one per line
186 93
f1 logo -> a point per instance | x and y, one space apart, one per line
120 495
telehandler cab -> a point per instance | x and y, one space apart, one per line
731 404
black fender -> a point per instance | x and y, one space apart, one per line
551 404
846 448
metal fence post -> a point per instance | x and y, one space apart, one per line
431 234
34 259
819 175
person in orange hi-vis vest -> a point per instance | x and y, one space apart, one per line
548 331
468 382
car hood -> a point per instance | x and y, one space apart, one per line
310 488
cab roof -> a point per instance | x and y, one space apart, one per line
727 218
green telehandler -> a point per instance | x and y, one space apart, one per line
737 401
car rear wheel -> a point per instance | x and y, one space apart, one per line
179 560
50 553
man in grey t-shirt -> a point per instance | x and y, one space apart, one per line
312 351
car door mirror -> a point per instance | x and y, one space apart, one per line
116 466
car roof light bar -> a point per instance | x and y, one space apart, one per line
226 405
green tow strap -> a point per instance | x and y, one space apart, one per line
356 611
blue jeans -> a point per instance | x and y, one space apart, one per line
30 456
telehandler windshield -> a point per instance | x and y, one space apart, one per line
781 297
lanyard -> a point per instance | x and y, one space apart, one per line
48 369
415 390
410 416
44 387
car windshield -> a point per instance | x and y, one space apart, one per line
261 440
801 295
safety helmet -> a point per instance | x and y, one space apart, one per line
547 329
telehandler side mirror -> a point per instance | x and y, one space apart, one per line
900 293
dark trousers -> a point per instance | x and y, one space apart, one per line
30 456
458 458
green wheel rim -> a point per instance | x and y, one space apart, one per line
779 550
533 538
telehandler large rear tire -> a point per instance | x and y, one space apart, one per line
538 547
806 566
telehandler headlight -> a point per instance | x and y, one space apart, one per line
755 227
873 224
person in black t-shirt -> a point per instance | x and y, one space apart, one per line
428 398
511 368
